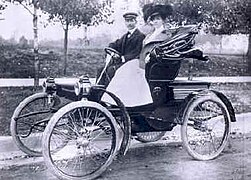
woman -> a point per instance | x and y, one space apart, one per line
156 17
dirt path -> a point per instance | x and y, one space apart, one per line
157 161
162 160
172 162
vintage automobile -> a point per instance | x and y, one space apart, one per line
80 140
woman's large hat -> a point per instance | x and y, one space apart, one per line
151 9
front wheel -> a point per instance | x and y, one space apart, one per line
206 127
29 121
91 133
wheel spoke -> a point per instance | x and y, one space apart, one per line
90 142
206 128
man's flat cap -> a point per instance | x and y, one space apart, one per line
130 15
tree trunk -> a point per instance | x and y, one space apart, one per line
65 47
36 57
249 54
85 37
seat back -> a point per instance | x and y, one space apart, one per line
162 71
158 76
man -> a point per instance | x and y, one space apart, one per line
128 83
129 46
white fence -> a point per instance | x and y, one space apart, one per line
235 44
30 82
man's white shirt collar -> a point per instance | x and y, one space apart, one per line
132 31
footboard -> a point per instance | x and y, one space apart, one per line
181 89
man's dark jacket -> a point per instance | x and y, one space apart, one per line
130 47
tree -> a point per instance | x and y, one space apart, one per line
23 42
31 6
2 7
233 16
221 16
75 13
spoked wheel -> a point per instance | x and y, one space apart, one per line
146 137
29 121
92 135
206 127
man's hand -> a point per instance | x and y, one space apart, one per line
116 56
116 59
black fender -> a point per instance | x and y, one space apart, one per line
227 103
126 121
185 104
194 95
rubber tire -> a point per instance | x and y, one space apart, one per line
13 125
215 99
49 129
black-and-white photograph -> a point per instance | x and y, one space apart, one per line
125 89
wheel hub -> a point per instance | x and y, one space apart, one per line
82 142
201 126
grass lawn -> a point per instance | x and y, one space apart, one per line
10 97
238 93
18 63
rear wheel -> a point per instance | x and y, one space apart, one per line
29 121
146 137
206 127
91 133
